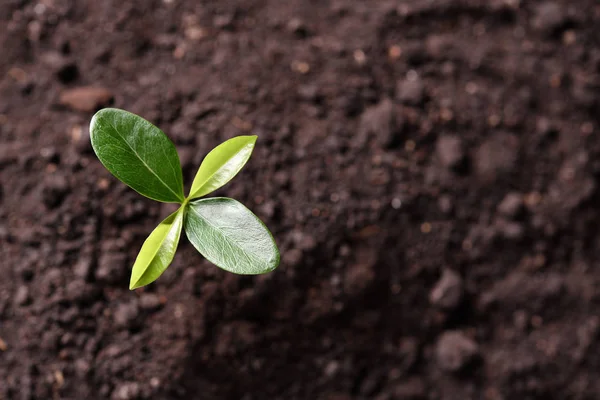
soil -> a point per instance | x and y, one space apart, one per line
428 168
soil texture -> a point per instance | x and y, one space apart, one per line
428 168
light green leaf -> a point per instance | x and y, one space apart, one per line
229 235
222 164
157 251
138 153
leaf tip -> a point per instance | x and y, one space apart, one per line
135 281
98 114
134 285
94 122
252 140
276 261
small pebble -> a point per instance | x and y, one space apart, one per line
86 99
410 91
455 351
126 391
549 16
380 121
22 296
496 156
298 27
126 314
449 150
448 291
511 205
150 301
511 230
83 268
82 368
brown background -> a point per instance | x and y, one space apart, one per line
429 169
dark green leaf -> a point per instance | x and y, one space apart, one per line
229 235
157 251
222 164
138 153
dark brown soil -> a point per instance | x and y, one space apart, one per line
429 169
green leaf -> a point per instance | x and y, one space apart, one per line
157 251
229 235
138 153
222 164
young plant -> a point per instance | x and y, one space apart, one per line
223 230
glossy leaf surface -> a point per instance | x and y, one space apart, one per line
222 164
157 251
137 153
230 236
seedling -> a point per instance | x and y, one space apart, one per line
223 230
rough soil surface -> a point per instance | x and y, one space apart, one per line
429 169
